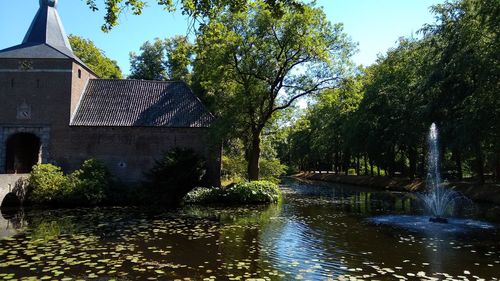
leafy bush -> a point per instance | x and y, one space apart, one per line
234 168
204 195
90 182
255 192
271 170
173 176
85 186
48 185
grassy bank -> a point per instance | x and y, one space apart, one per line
489 192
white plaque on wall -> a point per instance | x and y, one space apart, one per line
24 111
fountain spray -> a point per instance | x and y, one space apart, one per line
438 200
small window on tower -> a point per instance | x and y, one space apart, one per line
79 73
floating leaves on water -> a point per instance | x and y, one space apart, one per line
249 243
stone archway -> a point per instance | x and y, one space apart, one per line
22 151
40 132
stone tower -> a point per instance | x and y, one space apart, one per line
41 81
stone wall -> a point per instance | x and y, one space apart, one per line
36 97
42 132
11 183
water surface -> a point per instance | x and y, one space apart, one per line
318 232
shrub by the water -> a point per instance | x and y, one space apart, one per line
90 182
255 192
272 170
174 175
48 185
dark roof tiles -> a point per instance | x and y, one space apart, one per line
39 51
140 103
47 28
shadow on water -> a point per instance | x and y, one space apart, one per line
318 232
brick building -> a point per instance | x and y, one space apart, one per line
54 109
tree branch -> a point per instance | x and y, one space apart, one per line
316 87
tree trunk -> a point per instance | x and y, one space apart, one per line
412 157
422 166
458 163
337 163
366 164
357 166
497 165
479 162
253 157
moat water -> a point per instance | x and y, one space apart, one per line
318 232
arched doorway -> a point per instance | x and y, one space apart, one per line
22 152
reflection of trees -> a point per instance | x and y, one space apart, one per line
50 228
241 239
326 223
239 235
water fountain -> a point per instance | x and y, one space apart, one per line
439 201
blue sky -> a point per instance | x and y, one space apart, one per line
374 24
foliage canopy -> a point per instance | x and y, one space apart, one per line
94 58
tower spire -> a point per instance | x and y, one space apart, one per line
47 28
50 3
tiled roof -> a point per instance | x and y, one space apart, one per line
140 103
36 51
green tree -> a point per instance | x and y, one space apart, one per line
450 77
150 63
255 65
394 108
198 10
94 58
329 119
180 53
464 82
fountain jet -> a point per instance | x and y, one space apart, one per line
438 200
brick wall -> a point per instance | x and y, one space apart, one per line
131 151
52 89
79 82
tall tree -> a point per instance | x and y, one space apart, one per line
465 80
150 63
450 77
255 64
95 58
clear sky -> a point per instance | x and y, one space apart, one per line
374 24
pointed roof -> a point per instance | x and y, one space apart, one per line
45 37
47 28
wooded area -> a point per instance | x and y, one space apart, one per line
378 120
251 63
